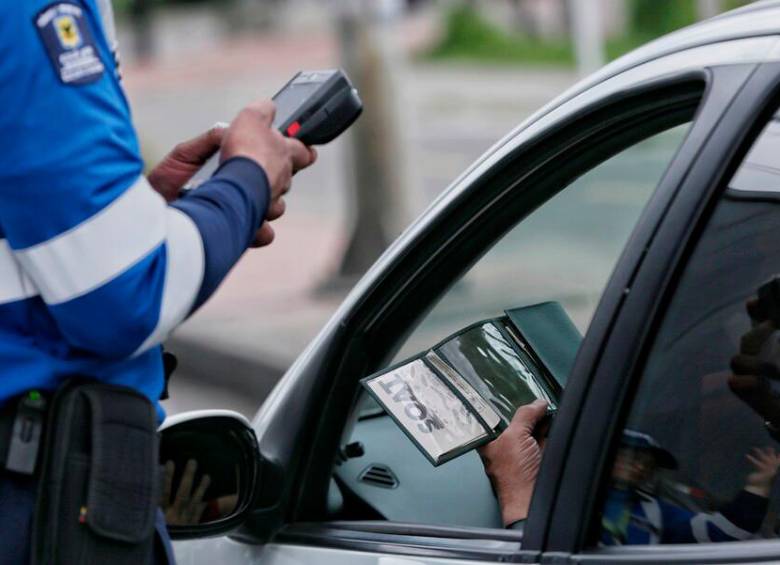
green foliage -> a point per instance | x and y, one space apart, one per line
650 19
124 7
653 18
732 4
469 36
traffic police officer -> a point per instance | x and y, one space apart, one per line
98 263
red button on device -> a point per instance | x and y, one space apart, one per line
293 128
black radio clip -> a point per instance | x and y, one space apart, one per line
27 433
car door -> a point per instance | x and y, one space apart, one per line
301 425
684 313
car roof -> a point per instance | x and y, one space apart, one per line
753 20
758 20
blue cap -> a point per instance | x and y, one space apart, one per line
640 440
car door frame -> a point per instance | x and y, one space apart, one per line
628 329
287 423
514 189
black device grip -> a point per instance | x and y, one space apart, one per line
332 120
315 107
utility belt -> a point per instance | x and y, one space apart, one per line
94 449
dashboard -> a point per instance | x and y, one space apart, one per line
396 480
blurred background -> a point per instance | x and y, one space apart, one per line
441 81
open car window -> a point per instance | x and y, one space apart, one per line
563 252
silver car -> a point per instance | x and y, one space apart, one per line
645 201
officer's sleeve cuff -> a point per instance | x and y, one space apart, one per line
246 173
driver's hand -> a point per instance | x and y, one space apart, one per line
512 462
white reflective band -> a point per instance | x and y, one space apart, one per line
109 26
185 264
701 534
653 513
100 248
14 282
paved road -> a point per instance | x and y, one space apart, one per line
267 310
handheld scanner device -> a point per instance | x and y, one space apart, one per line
317 106
314 106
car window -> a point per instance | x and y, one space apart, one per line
698 457
564 252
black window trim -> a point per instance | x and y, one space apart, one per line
687 86
752 195
752 101
748 551
557 537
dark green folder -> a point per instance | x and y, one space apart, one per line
551 334
507 362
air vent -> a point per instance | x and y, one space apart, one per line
379 476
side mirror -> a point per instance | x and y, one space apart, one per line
212 466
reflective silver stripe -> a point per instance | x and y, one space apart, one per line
700 533
109 27
185 264
653 513
14 282
100 248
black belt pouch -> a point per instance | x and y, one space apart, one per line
99 488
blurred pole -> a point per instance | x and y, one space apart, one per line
525 21
373 151
586 20
253 14
141 20
708 8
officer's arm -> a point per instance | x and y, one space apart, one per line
738 520
219 206
117 267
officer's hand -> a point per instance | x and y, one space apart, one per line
186 159
265 235
187 505
766 462
251 135
512 462
752 372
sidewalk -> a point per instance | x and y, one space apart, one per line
267 310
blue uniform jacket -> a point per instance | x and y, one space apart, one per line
638 518
95 268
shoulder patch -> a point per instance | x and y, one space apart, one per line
68 40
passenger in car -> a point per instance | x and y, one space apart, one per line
634 514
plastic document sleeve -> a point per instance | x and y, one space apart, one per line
437 409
